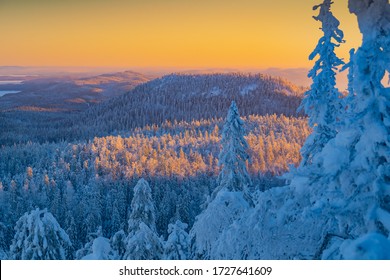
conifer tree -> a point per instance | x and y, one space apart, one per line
118 244
142 242
3 241
322 102
364 170
234 175
39 237
226 208
101 250
87 248
142 208
352 192
324 107
178 243
231 197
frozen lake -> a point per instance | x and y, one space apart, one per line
10 82
13 82
4 92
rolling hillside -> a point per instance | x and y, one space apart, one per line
186 97
68 93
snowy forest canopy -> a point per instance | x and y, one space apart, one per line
207 188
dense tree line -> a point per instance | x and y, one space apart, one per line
92 181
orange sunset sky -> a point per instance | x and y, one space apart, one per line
165 33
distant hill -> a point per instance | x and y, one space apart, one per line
69 92
65 109
191 97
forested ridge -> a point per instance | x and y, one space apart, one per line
186 97
175 97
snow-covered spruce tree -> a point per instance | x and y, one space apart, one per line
91 203
231 198
309 205
178 244
87 248
39 237
234 175
118 244
322 101
142 208
97 248
142 242
219 215
101 250
144 245
71 230
351 196
3 244
363 170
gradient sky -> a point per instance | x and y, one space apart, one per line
165 33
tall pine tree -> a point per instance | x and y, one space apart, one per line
142 242
234 176
142 208
324 107
322 102
231 197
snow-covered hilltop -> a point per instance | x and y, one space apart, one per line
193 97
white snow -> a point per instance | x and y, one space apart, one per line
101 249
215 91
144 244
38 237
218 216
372 246
248 89
177 247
